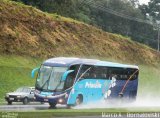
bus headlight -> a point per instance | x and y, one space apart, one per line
60 100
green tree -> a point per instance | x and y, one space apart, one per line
154 9
116 16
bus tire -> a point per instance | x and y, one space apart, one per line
79 100
25 101
69 106
52 105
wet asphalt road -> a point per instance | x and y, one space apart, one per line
29 107
36 106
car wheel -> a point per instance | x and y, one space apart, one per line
25 101
52 105
79 100
9 102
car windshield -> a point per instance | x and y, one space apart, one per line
49 78
22 89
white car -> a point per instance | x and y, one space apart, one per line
22 94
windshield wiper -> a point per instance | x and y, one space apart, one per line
57 85
47 81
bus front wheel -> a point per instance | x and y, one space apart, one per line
52 105
69 106
79 100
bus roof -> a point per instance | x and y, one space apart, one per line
68 61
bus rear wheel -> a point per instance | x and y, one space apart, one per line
52 105
79 100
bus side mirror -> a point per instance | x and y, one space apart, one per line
33 72
66 74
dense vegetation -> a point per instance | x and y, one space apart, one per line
125 17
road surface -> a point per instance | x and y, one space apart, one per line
29 107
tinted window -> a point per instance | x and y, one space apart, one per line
122 73
71 77
94 72
101 72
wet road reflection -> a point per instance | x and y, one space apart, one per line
29 107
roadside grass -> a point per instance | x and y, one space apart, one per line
80 112
149 81
15 72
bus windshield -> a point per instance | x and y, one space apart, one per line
49 78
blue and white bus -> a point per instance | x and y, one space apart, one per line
73 81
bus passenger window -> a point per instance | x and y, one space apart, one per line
122 73
95 72
69 80
86 75
104 76
85 71
71 77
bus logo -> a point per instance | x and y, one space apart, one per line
93 85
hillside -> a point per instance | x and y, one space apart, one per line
27 31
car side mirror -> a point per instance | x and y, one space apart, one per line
34 71
66 74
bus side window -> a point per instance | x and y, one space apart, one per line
92 73
104 76
71 76
86 74
132 71
105 73
114 73
122 73
101 72
95 72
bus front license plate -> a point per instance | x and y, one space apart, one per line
46 100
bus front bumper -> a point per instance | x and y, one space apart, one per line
59 99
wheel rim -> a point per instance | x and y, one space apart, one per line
52 104
78 101
25 101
